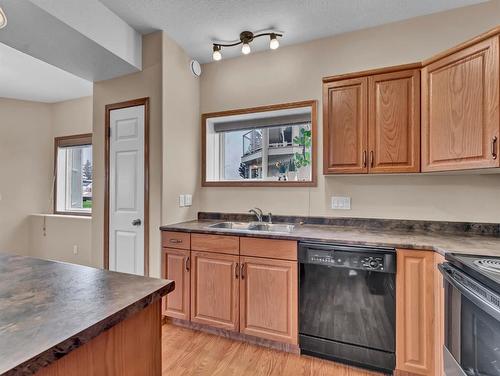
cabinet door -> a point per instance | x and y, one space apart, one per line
215 290
415 312
460 109
268 299
394 122
177 268
439 313
345 126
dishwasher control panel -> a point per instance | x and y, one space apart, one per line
356 259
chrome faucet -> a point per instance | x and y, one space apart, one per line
258 213
270 218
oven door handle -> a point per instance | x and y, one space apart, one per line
475 298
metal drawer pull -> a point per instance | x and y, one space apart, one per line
494 147
187 264
242 271
175 241
364 158
372 159
236 271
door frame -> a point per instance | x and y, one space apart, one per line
108 108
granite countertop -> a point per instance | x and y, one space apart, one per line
441 242
48 308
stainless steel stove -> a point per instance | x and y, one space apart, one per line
472 315
488 264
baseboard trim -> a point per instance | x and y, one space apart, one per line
285 347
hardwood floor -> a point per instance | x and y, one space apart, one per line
188 352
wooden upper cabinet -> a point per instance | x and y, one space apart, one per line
177 268
345 126
268 299
215 289
371 121
394 122
460 109
416 312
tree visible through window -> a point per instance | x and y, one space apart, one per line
73 175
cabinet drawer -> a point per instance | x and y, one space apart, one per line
172 239
269 248
215 243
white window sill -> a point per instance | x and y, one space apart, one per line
84 217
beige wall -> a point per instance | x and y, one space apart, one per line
147 83
55 237
294 73
25 169
72 117
26 153
174 155
181 136
63 233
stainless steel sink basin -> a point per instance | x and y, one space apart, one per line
255 226
272 227
232 225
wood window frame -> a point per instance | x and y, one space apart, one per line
314 126
108 108
68 141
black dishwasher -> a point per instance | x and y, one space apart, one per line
347 304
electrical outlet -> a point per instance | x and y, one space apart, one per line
341 203
182 201
75 249
188 200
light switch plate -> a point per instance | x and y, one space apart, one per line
182 200
341 203
188 200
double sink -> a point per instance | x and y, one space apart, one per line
255 226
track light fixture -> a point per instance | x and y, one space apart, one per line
246 37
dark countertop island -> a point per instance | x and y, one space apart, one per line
48 309
441 237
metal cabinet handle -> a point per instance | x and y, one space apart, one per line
237 271
242 271
494 147
372 158
175 241
364 158
187 263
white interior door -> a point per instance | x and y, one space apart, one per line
126 190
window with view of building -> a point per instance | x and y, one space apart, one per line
73 175
260 147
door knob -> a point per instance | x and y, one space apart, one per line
136 222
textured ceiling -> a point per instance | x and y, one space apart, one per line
194 24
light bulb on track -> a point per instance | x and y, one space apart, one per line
217 55
245 49
274 42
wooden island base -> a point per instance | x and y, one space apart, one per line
132 347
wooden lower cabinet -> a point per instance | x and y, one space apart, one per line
215 289
419 313
177 268
439 311
268 299
130 348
